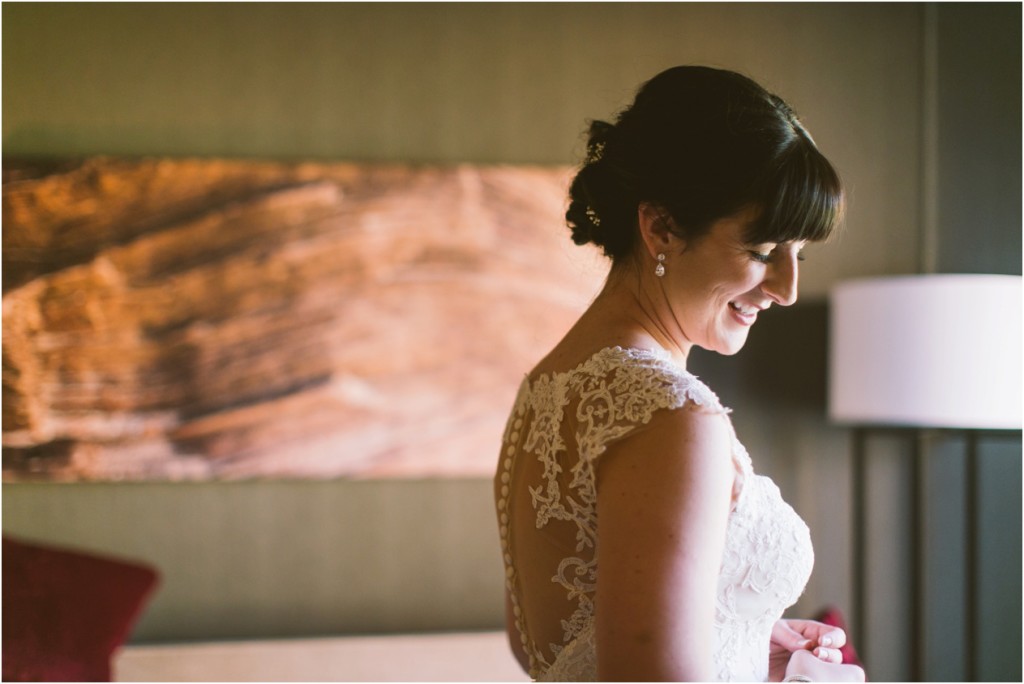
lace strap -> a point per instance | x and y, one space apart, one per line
682 384
694 391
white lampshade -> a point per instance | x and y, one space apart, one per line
927 351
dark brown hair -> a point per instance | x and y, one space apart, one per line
703 144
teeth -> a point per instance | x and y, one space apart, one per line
743 309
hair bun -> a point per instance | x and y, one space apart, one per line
583 231
597 139
599 208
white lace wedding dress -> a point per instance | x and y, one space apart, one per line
546 497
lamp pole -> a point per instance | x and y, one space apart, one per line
859 540
917 597
971 553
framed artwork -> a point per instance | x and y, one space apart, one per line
195 319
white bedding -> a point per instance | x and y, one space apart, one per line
467 656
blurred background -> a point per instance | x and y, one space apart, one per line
917 105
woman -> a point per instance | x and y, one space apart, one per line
702 193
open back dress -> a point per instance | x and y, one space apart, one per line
546 495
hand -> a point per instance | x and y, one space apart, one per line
789 636
817 670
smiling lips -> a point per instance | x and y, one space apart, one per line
744 313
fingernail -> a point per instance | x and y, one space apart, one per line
805 643
822 653
826 641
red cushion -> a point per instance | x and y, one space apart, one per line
65 612
834 617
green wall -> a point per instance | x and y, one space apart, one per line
286 558
440 83
978 139
413 82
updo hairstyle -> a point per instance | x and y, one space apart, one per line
703 144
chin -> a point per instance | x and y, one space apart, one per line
729 347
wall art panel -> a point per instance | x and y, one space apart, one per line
188 319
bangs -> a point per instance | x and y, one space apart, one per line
800 197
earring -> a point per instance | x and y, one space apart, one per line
659 270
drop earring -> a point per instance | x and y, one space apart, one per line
659 270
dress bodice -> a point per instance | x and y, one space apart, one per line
546 495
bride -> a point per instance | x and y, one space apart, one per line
638 542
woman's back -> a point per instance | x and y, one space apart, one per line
546 491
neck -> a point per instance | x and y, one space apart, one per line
642 309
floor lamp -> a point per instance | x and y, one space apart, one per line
924 352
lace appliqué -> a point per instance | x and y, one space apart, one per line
768 555
618 390
766 563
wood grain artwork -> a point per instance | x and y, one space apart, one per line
210 319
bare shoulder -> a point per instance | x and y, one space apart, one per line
681 448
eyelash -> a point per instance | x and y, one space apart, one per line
765 258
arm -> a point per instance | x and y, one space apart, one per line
663 499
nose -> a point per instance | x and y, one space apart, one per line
780 281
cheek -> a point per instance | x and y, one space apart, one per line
738 282
748 277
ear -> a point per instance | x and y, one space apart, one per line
655 223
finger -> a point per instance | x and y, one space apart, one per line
829 655
834 638
811 629
787 637
800 624
824 635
